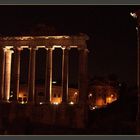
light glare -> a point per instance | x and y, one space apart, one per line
133 15
55 103
71 103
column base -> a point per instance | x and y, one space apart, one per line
14 102
47 103
30 103
5 101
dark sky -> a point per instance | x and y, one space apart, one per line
112 44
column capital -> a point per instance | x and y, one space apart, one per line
66 48
18 48
83 49
33 48
5 48
50 48
8 49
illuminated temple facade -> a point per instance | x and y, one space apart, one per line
56 97
14 46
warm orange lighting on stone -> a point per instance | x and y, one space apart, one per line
55 103
33 43
108 100
56 100
8 58
100 102
111 99
20 95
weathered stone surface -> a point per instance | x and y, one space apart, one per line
61 115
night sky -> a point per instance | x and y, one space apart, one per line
112 44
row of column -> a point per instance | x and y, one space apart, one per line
6 58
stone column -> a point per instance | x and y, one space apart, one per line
83 89
65 63
2 68
48 80
16 77
31 76
7 78
83 79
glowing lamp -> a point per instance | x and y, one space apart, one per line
55 103
71 103
90 95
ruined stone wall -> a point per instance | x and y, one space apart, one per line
63 115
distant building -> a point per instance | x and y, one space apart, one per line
102 93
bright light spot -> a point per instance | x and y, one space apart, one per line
40 46
22 102
24 47
54 82
133 15
8 47
56 46
58 37
112 95
40 103
75 93
63 48
55 103
94 107
108 99
71 103
11 95
90 95
53 37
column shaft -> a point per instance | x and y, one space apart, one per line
48 80
8 60
31 75
2 68
83 79
65 63
16 77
